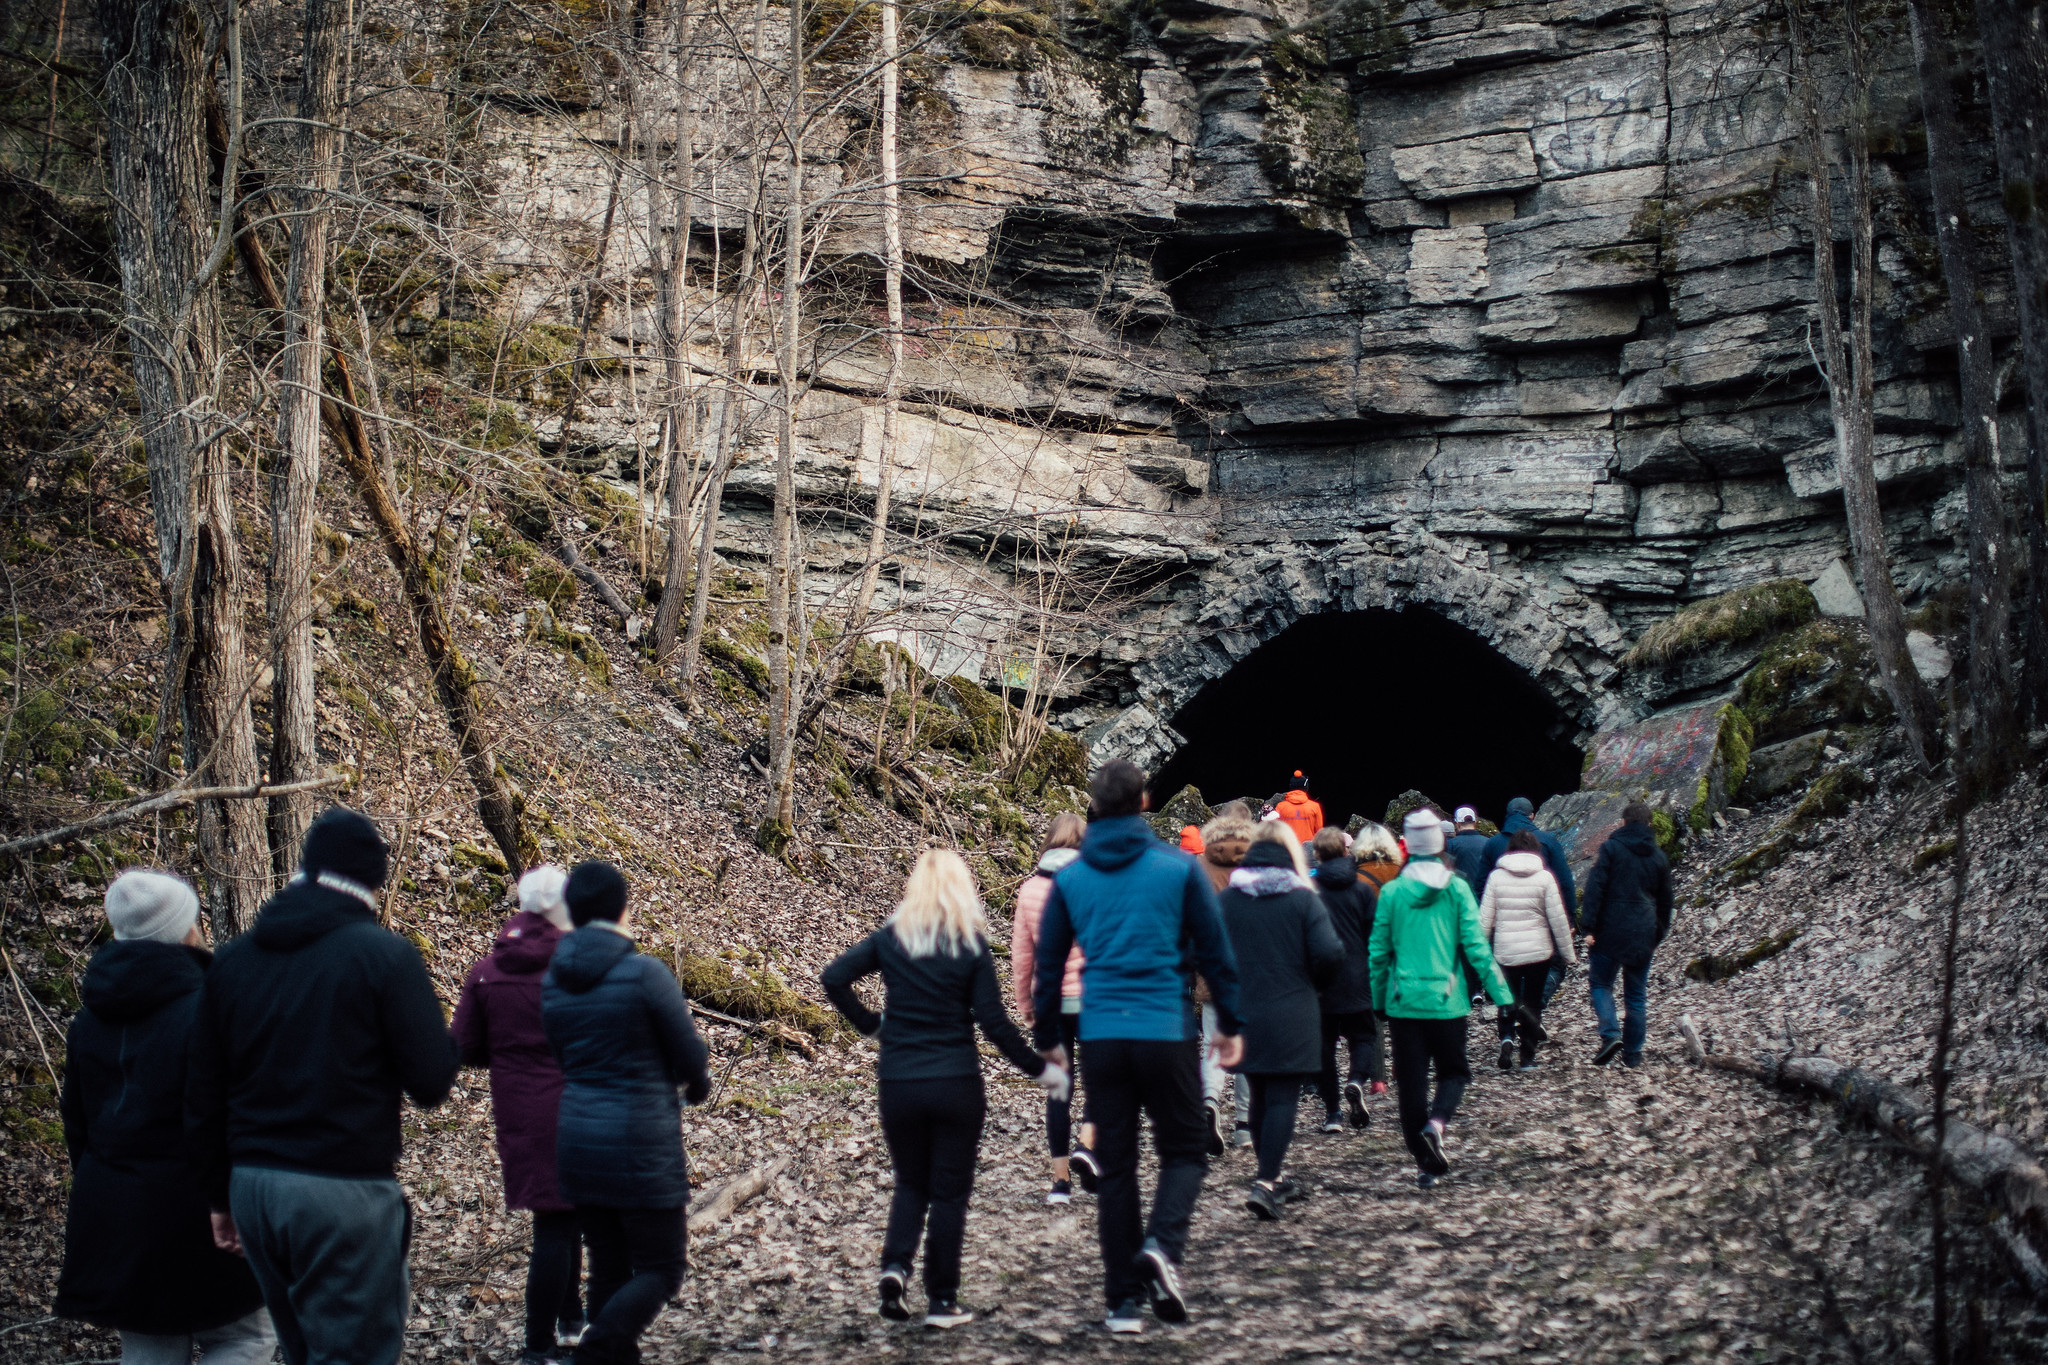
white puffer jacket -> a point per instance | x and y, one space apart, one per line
1522 913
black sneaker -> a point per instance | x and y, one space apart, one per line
1354 1099
569 1335
1507 1054
1435 1162
1264 1201
1290 1191
1333 1122
1087 1170
1212 1129
1169 1303
1528 1059
894 1278
1426 1181
1062 1192
1126 1317
946 1313
1609 1050
1632 1061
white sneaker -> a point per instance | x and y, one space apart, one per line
1126 1318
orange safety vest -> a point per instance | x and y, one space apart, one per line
1300 814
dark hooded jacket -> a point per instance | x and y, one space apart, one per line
1286 953
497 1024
1466 853
1553 858
309 1028
1628 897
1146 919
138 1249
1350 899
931 1005
620 1028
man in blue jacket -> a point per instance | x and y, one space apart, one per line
1134 906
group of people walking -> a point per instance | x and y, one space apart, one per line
233 1118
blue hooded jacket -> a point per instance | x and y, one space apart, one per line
1553 856
1136 907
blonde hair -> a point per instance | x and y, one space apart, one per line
1278 832
940 909
1375 843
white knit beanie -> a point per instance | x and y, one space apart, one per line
1424 832
540 893
151 905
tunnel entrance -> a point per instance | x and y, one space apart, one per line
1370 704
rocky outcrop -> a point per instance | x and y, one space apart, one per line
1496 310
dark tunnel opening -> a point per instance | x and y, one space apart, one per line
1370 704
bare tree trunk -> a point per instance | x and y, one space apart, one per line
295 478
1847 370
2014 34
784 564
1991 744
892 293
674 326
156 91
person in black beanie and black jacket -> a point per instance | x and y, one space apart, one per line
620 1027
308 1028
940 981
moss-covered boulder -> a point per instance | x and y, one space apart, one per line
1398 808
1185 807
1815 678
1709 644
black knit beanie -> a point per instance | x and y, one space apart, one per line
1268 853
346 843
596 890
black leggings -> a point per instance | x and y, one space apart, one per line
1059 1121
934 1130
1275 1100
554 1279
1361 1029
1526 982
636 1265
1417 1044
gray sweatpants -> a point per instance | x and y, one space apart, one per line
329 1255
245 1341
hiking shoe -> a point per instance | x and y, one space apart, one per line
1169 1303
1507 1054
1609 1050
945 1314
1532 1024
1436 1163
1633 1060
1241 1136
1290 1191
1126 1317
1212 1129
1264 1201
569 1335
1333 1122
1087 1170
1354 1100
1426 1181
1062 1192
894 1278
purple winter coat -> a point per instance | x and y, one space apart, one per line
497 1024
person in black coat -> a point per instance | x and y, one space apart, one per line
620 1027
1347 1001
939 981
309 1029
1287 951
139 1255
1626 913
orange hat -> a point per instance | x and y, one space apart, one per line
1191 839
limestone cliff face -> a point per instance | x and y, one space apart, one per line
1498 309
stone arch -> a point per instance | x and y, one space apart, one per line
1562 639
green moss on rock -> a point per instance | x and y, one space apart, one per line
1744 614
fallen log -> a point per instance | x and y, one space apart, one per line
2006 1176
717 1202
565 548
761 1028
163 801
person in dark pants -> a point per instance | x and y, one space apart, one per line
1134 906
1627 915
139 1255
1286 951
621 1032
1346 1001
938 982
309 1029
1522 916
497 1024
1062 846
1426 921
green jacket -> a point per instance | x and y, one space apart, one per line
1426 916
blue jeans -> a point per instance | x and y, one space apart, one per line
1635 983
